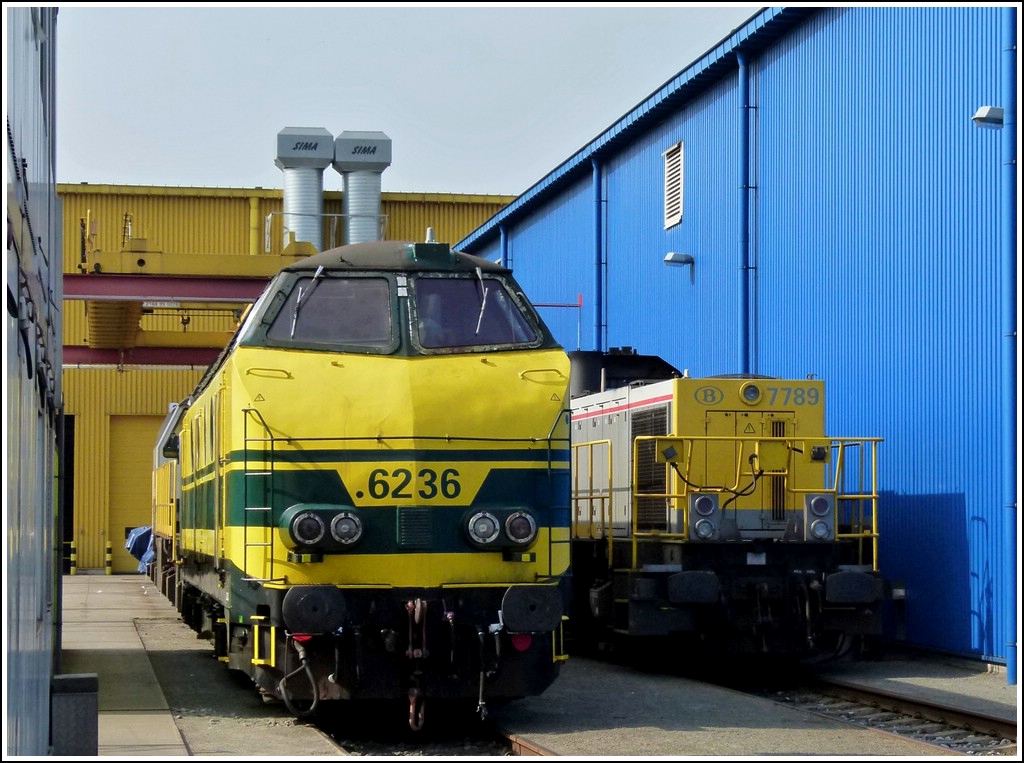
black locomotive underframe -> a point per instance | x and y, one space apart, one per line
395 643
777 607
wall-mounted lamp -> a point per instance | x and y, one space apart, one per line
678 258
988 116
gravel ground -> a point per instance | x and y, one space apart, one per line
219 712
216 712
383 730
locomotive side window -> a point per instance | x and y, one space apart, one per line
455 313
336 311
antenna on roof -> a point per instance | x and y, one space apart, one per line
430 236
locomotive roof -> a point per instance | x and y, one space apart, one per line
395 255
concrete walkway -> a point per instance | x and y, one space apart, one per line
99 637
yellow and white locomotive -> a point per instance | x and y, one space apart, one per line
718 509
367 494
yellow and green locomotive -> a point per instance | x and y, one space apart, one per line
718 512
367 494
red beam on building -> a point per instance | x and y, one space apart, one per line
199 357
153 288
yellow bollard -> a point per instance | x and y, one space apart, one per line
74 558
110 559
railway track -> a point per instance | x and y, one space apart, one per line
951 726
931 727
932 724
377 729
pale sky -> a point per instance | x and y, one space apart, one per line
477 99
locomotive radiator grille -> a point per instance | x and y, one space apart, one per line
652 513
777 482
414 528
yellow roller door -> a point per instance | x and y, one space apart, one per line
131 477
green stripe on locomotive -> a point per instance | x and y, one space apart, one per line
541 491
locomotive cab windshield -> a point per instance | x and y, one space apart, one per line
387 313
453 313
348 311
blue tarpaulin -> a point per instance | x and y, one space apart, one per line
140 545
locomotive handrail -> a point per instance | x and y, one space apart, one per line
259 416
855 501
861 496
554 425
525 371
246 508
592 495
380 439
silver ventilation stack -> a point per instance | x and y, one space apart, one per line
361 157
303 153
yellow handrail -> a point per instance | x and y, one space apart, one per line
747 451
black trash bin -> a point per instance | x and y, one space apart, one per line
75 714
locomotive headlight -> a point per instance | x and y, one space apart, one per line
751 393
346 528
521 528
483 527
819 517
704 505
704 516
820 506
307 528
703 529
820 530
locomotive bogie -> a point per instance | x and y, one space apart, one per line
357 643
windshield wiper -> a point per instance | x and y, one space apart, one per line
483 299
298 299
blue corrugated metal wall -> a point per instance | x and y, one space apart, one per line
874 243
658 309
552 257
877 262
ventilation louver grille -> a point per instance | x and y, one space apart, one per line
674 185
414 528
652 513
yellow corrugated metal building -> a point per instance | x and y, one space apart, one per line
155 280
